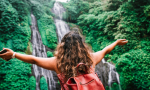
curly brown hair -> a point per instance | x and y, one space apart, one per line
70 52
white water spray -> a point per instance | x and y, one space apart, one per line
40 51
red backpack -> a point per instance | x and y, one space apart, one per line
86 81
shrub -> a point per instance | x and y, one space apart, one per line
134 70
48 31
14 74
32 83
43 84
49 54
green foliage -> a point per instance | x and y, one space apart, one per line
43 84
49 54
74 8
48 31
90 0
111 5
15 30
147 10
71 13
29 49
14 74
15 33
144 44
134 70
122 23
96 8
51 36
39 7
1 45
9 18
32 83
114 86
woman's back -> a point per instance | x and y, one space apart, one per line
70 52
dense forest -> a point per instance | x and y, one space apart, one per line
15 33
101 21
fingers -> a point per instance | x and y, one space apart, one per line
6 49
9 50
6 58
3 57
3 54
122 39
125 42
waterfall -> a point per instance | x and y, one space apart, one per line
107 74
40 51
61 26
58 10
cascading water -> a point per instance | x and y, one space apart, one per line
104 69
58 10
61 26
40 51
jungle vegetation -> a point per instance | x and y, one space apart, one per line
101 21
15 33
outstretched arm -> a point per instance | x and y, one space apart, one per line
47 63
98 56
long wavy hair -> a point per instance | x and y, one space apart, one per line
70 52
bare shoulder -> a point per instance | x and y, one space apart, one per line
55 65
97 57
54 61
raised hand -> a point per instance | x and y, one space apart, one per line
122 41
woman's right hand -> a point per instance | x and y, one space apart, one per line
8 55
122 41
